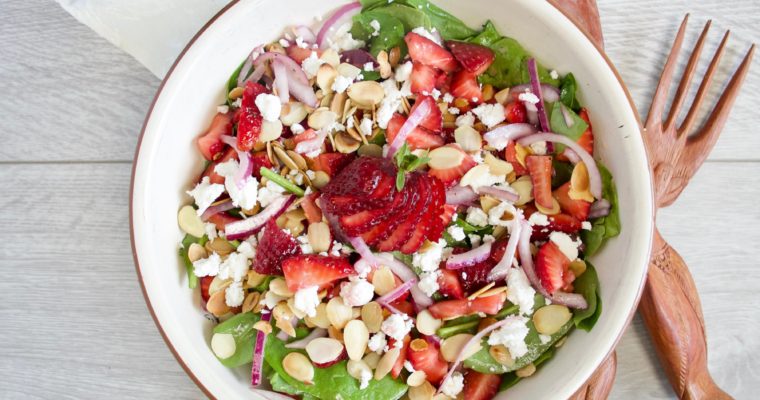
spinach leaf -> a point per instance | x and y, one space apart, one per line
331 382
192 280
559 126
567 91
410 17
455 329
391 34
562 172
449 26
588 285
510 379
606 227
280 385
370 75
241 328
232 82
509 67
469 228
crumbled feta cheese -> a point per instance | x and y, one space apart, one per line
403 71
453 386
528 97
519 290
453 111
538 219
375 24
456 232
306 300
370 66
247 249
284 43
364 378
357 292
544 338
235 267
430 259
566 244
223 109
311 174
244 197
429 282
474 239
208 266
336 248
390 103
476 216
343 40
234 294
495 214
297 129
427 34
363 268
554 74
270 299
270 193
365 127
311 64
481 176
436 94
465 120
396 327
538 148
211 232
341 83
448 98
303 241
238 102
377 342
512 336
490 114
300 43
205 193
585 225
269 105
287 36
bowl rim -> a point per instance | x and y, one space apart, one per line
209 23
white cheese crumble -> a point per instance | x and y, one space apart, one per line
270 193
474 240
223 109
311 64
235 267
247 249
284 43
409 367
375 24
357 292
430 259
448 98
554 74
341 83
456 232
429 282
544 338
210 229
244 197
436 94
496 214
365 377
205 193
453 111
427 34
476 216
297 129
490 114
377 342
585 225
528 97
390 103
538 148
483 177
397 327
365 127
303 241
512 336
465 120
343 40
566 244
306 300
519 291
538 219
234 294
403 71
370 66
454 385
208 266
270 106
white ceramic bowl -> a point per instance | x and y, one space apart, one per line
167 163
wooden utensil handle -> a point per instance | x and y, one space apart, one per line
600 384
673 315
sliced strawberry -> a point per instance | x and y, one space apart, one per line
433 121
559 223
587 137
540 168
399 365
476 276
420 198
448 212
419 138
260 159
465 85
304 136
250 119
449 286
298 54
510 154
275 246
551 265
429 360
428 52
331 163
577 208
230 153
362 221
210 144
205 285
474 58
401 304
395 214
450 176
449 309
221 219
478 386
311 209
429 220
515 112
302 271
423 78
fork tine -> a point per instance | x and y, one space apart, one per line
698 146
688 74
661 94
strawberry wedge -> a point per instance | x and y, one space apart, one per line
303 271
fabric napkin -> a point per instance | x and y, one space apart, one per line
152 31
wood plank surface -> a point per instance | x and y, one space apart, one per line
74 322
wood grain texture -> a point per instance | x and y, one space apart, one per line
74 322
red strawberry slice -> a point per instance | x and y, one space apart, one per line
419 201
331 163
449 309
395 213
476 276
433 122
559 223
205 285
260 159
419 138
551 265
429 360
577 208
311 209
510 155
304 136
540 168
428 52
465 85
298 54
230 153
450 176
302 271
399 365
515 112
423 78
422 228
449 286
587 137
478 386
364 184
250 119
275 246
474 58
221 219
210 144
362 221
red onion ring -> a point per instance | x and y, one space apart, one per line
394 294
419 114
572 156
301 344
246 68
566 115
249 226
595 178
281 79
245 168
499 137
341 15
548 92
305 33
298 83
501 194
258 352
461 195
469 258
600 208
537 90
213 210
499 271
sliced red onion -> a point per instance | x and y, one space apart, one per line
258 352
473 340
405 273
569 121
247 227
420 113
301 344
245 168
282 335
501 194
532 112
392 309
281 79
358 57
394 294
216 209
595 179
247 65
312 145
498 138
537 90
298 83
461 195
340 17
548 92
570 300
363 249
469 258
435 339
572 156
305 33
600 208
499 271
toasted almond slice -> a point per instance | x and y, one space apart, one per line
549 211
386 363
263 326
524 188
356 336
319 236
526 371
488 202
521 152
358 368
218 284
424 391
279 287
550 319
348 70
325 77
270 130
497 166
474 175
190 222
292 113
217 305
331 57
345 144
366 93
480 291
427 324
468 138
299 367
579 184
445 157
416 378
322 117
370 150
236 93
383 281
321 179
372 315
223 345
251 301
501 355
452 347
196 252
338 312
502 96
372 359
494 291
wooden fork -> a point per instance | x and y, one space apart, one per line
670 305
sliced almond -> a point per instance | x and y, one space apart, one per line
283 156
345 144
325 77
348 70
196 252
293 113
251 301
385 65
468 138
452 347
236 93
386 363
355 336
416 378
320 320
427 324
319 237
424 391
331 57
370 150
549 211
321 118
521 152
394 56
217 305
579 184
263 326
372 359
502 96
372 315
220 246
218 284
474 174
480 291
190 222
526 371
501 355
324 350
524 188
279 287
338 103
335 333
550 319
445 157
497 166
270 130
488 202
223 345
321 179
488 92
493 291
366 93
383 281
298 367
357 369
338 313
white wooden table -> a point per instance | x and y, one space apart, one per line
74 324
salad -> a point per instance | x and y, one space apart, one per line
396 205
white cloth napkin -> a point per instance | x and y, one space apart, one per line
152 31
